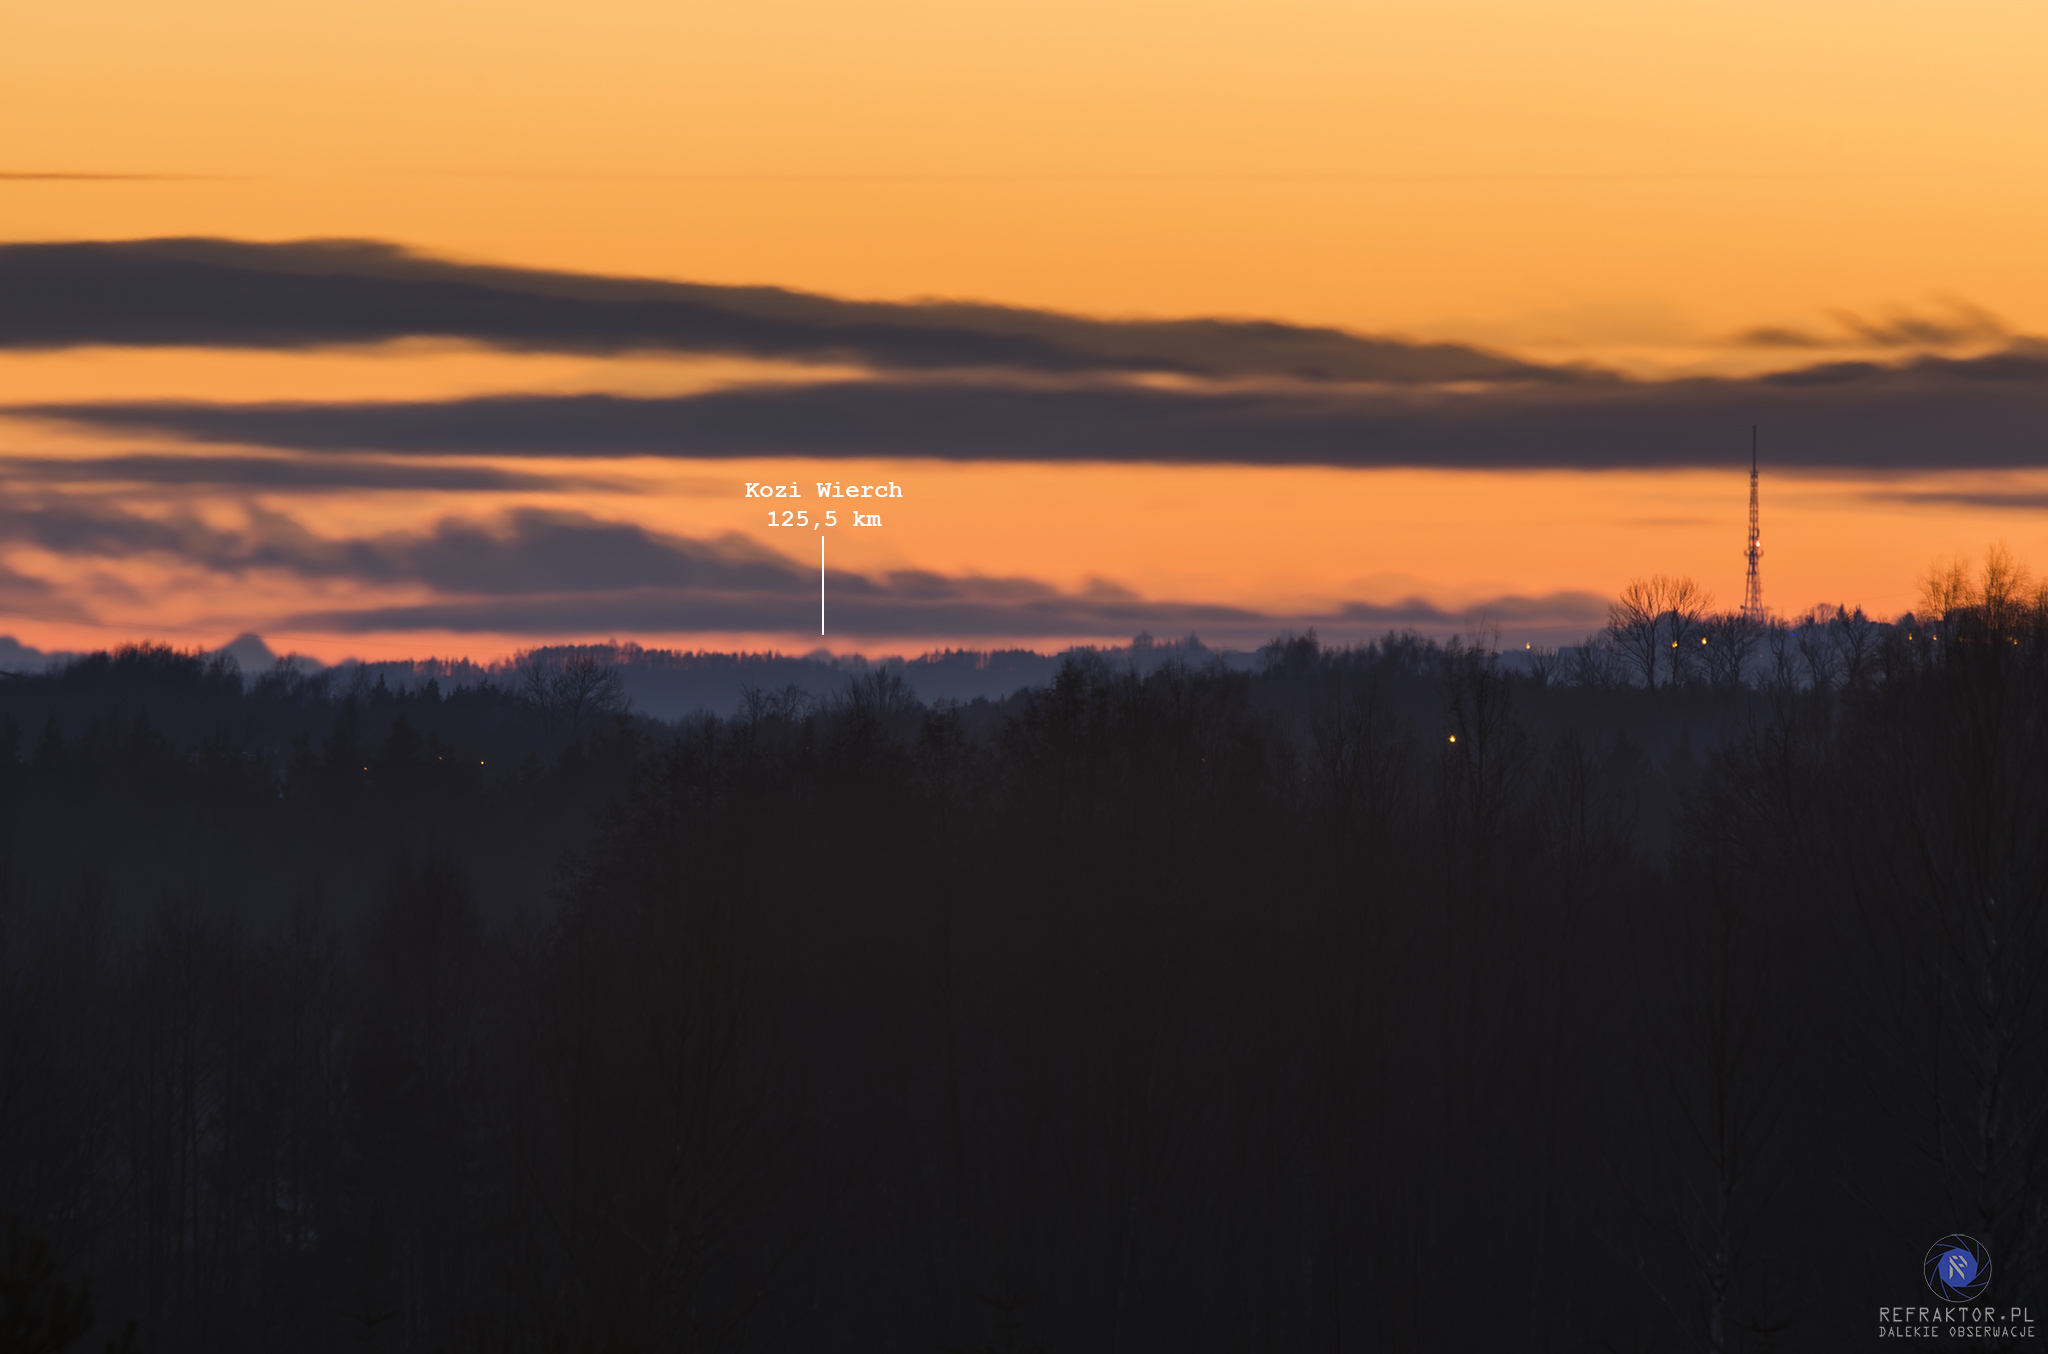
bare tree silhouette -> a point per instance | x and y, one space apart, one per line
570 692
1635 625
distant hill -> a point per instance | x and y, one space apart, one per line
18 657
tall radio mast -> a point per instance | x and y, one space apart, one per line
1753 590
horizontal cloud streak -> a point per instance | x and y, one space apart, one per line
530 572
963 609
274 472
226 293
1985 412
524 551
1965 498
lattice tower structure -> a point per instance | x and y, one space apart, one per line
1753 588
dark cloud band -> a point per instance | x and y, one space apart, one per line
288 473
226 293
1989 412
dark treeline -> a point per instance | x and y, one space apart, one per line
1382 998
669 683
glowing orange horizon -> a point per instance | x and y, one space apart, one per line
1661 190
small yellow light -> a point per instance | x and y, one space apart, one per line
1454 738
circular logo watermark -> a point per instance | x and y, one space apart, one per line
1957 1267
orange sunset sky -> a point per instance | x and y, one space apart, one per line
1657 221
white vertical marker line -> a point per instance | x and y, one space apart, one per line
821 583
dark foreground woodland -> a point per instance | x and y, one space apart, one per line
1379 999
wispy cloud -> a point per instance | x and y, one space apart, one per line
19 587
530 572
521 552
2023 501
1988 411
1949 324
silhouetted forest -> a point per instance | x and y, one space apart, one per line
668 683
1382 998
